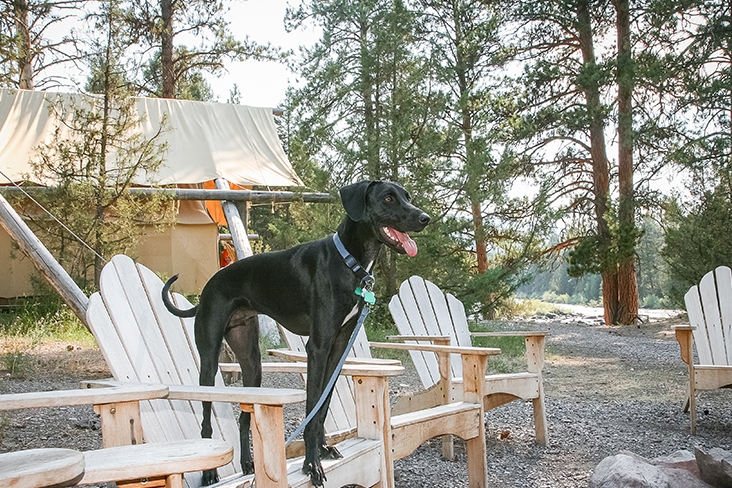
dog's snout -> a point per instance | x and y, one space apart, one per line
424 219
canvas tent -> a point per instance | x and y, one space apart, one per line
205 141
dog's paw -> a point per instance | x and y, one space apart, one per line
247 467
330 452
210 477
316 473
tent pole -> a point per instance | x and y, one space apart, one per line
43 260
236 226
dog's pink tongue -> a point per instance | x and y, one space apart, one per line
410 247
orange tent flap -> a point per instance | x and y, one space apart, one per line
214 206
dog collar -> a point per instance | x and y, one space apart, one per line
366 278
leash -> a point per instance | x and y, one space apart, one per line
366 293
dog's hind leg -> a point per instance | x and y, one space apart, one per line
209 331
243 338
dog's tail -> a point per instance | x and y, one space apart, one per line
169 305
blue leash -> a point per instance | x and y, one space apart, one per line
333 378
364 292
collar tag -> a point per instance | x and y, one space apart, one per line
368 296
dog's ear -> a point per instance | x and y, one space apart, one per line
353 198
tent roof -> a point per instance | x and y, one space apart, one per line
204 140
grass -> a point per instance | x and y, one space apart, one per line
530 307
30 325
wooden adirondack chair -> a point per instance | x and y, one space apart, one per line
709 306
134 466
143 343
424 314
410 429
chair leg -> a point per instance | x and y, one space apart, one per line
540 419
692 397
692 410
477 464
174 481
448 452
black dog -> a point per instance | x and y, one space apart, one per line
310 290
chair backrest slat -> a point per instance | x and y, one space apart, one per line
421 308
724 290
342 411
406 311
142 342
709 306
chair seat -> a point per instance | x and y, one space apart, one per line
154 460
36 468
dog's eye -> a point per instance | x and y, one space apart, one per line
389 199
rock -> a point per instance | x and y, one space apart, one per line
682 459
715 466
626 471
629 470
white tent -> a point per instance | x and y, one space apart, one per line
204 140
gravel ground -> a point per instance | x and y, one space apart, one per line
607 389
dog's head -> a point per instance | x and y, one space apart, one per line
388 209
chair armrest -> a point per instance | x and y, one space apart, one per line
288 354
437 339
685 339
683 327
246 395
291 355
383 370
438 348
232 394
95 396
513 333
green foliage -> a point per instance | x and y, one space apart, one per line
153 29
513 351
190 85
30 54
31 321
97 151
697 239
593 255
41 317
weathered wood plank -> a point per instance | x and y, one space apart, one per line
37 468
154 460
32 247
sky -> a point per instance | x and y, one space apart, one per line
261 84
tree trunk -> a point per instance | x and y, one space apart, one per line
627 280
600 171
166 55
481 246
610 297
25 57
472 186
372 149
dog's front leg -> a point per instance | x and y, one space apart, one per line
314 435
323 358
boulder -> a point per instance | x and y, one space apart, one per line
682 459
715 466
629 470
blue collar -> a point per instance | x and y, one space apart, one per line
366 277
